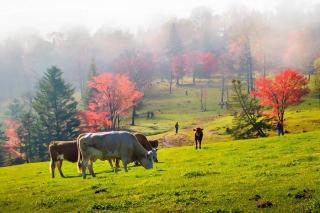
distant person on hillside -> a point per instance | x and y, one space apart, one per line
279 128
177 127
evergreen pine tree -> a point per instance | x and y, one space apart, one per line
249 121
2 153
56 111
88 91
174 47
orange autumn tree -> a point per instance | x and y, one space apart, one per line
12 144
287 88
113 96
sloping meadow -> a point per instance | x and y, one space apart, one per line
281 174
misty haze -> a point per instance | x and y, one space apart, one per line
189 106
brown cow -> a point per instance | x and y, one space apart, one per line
154 143
60 150
145 143
64 150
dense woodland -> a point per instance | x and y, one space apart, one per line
113 69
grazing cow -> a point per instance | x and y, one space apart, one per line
198 135
154 143
60 150
145 143
111 145
64 150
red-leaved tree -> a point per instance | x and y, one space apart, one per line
94 121
287 88
113 96
12 144
180 65
200 62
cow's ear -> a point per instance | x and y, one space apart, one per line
201 129
194 130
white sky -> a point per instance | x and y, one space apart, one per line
53 15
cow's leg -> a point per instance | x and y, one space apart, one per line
111 164
90 167
117 163
59 164
52 166
196 144
117 166
200 143
125 162
84 167
136 163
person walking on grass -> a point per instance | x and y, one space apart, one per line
279 128
177 127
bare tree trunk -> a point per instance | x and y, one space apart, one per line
201 99
194 77
118 122
133 115
222 92
264 64
170 86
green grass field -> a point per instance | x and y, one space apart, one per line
229 176
222 177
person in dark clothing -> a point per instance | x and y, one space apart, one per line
177 127
280 128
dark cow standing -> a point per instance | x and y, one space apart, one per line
147 145
198 135
154 143
60 150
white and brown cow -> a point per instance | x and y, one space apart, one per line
62 150
111 145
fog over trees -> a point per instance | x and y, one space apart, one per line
243 42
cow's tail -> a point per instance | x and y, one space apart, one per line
79 153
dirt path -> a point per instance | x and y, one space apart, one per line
166 141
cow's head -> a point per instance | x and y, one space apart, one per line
147 160
198 130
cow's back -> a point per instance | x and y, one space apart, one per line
66 149
143 141
113 144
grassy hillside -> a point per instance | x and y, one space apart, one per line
221 177
185 109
